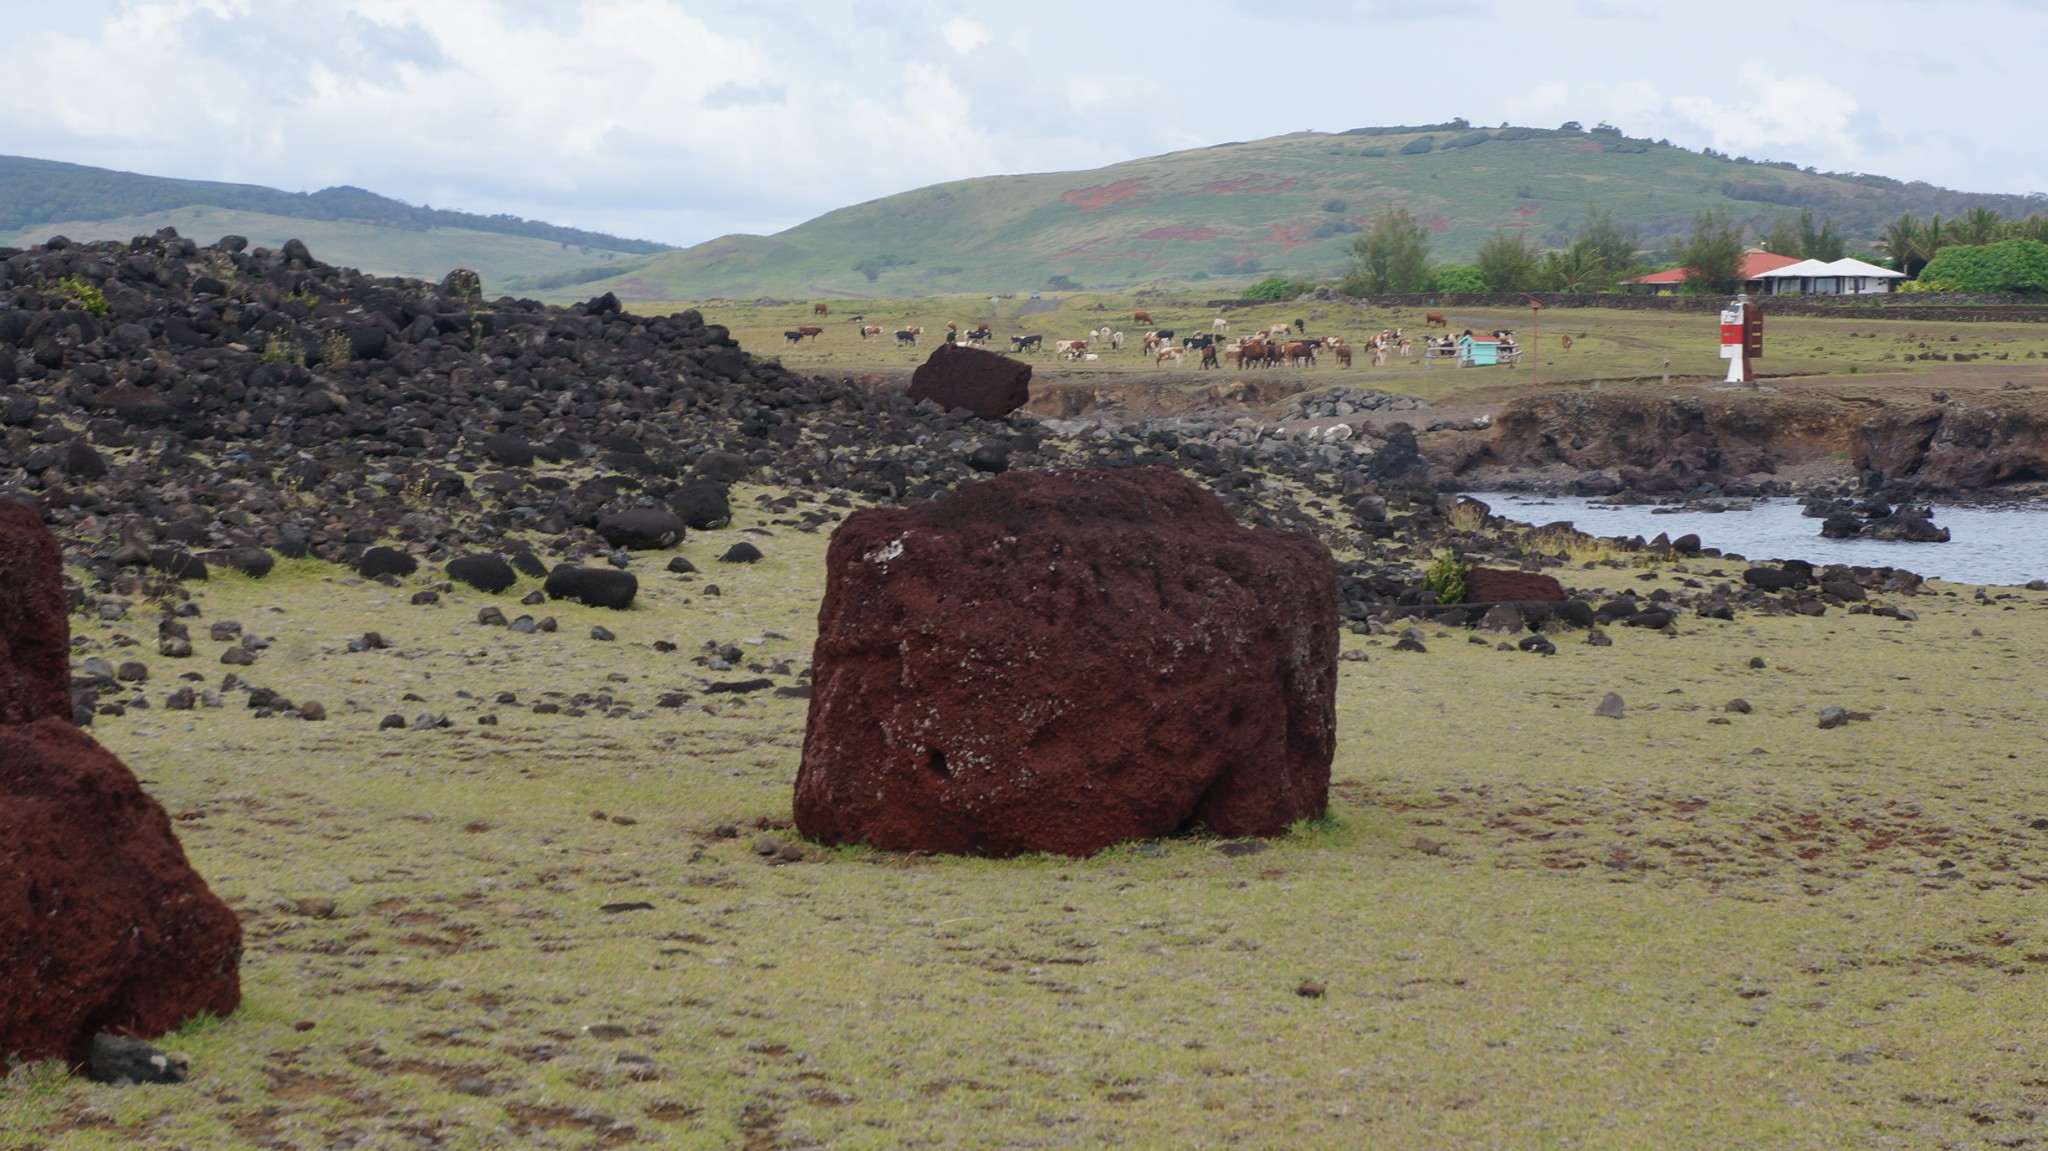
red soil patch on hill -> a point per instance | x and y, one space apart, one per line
1103 195
1180 232
1436 224
1526 211
1587 148
1289 235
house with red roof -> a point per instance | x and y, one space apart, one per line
1755 266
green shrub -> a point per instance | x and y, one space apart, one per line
1372 153
1468 139
1461 278
1270 288
279 348
1515 134
1418 146
1445 578
1063 284
1334 205
2009 266
85 294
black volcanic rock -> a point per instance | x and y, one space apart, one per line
484 573
594 587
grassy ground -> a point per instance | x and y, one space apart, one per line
1856 360
1535 927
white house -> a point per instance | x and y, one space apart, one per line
1843 277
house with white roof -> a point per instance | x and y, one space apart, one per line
1843 277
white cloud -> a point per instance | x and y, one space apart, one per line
1782 113
964 35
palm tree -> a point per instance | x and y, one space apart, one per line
1576 269
1899 240
1979 225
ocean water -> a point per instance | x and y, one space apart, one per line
2001 545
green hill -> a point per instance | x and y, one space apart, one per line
1285 205
42 198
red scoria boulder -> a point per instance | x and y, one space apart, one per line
103 924
1497 585
989 385
35 635
1060 661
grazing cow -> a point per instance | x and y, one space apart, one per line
1300 326
1209 356
812 332
906 336
793 337
979 335
1298 353
1165 354
1164 333
1071 349
1219 324
1141 317
1116 340
1193 342
1379 354
1020 343
1434 320
1565 342
820 310
867 330
1406 345
1343 356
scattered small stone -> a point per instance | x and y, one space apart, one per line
492 616
767 845
394 720
428 721
1409 643
1737 706
1756 662
524 625
1611 706
1832 716
616 908
1239 848
1539 644
312 710
600 632
426 597
1597 638
681 566
238 656
533 599
315 907
125 1062
741 553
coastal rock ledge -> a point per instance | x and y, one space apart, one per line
1060 661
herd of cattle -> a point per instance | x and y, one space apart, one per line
1279 345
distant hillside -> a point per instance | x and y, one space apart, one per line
1285 205
41 198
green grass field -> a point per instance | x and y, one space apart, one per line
1687 928
1847 359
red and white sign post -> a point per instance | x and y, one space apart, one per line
1742 339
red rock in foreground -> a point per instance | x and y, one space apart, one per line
35 634
103 924
1060 661
989 385
1498 585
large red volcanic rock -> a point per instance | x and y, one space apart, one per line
35 636
103 924
1497 585
1059 661
989 385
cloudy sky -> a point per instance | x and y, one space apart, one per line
681 120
